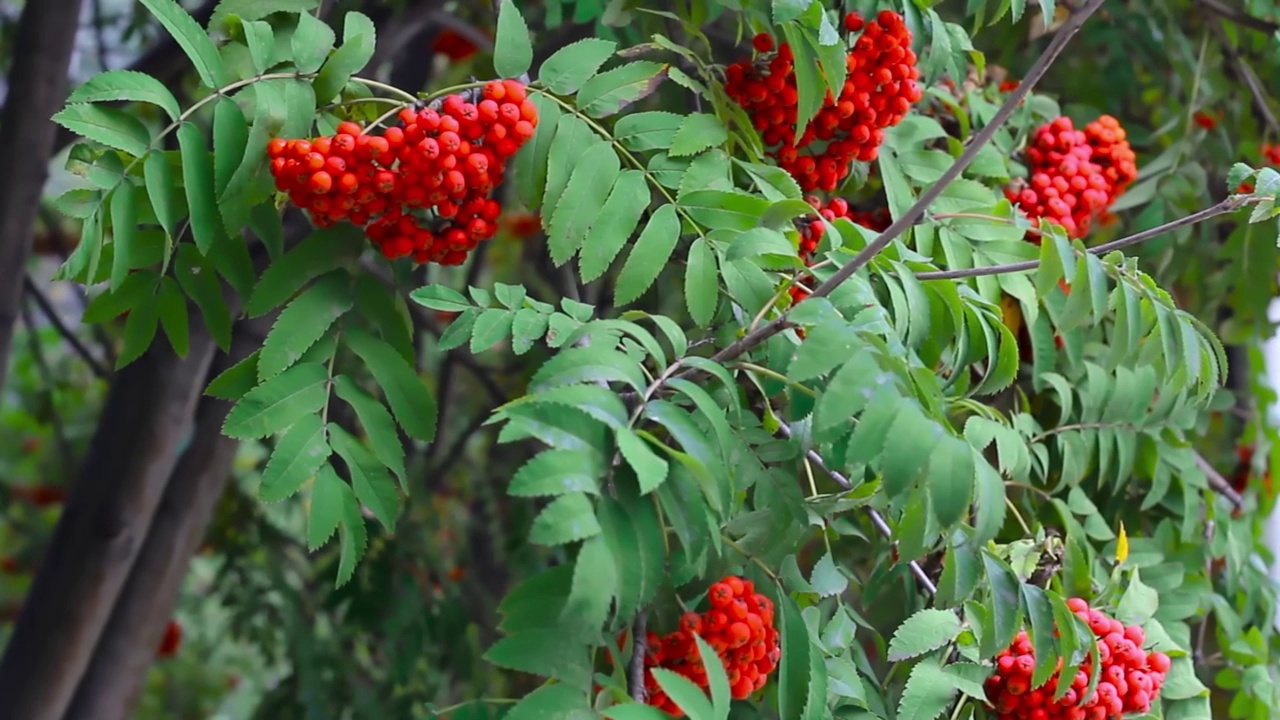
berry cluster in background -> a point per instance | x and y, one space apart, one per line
1075 174
879 90
739 627
421 189
1130 679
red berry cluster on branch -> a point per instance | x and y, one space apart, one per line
739 627
1075 174
1131 677
878 92
421 189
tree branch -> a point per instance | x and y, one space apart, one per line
1239 17
1261 104
42 49
877 519
1218 483
1229 205
640 646
47 309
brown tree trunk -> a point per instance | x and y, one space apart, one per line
109 509
42 49
111 685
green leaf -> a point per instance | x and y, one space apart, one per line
927 694
353 536
235 381
810 87
543 652
951 479
827 579
230 137
989 492
701 289
269 113
261 41
613 90
1006 603
923 632
580 204
572 65
198 280
311 43
698 132
172 305
568 518
684 693
556 472
647 130
247 10
903 462
110 126
794 665
595 582
373 486
773 182
633 711
162 190
124 231
326 506
197 178
649 255
573 139
117 85
297 457
139 330
359 37
192 39
717 679
724 210
553 702
319 253
303 322
614 224
824 348
530 166
410 400
378 426
279 402
1139 602
650 469
1040 614
439 297
512 49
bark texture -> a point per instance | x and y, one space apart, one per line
37 88
148 415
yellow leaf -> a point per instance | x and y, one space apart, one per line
1122 545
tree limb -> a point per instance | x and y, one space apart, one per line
42 50
50 312
1239 17
1229 205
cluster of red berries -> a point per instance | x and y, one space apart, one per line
879 91
739 627
420 189
1131 677
1075 174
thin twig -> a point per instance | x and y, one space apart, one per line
50 383
1229 205
46 307
1256 92
876 518
635 669
1239 17
1218 483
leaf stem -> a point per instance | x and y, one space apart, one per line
767 372
392 89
